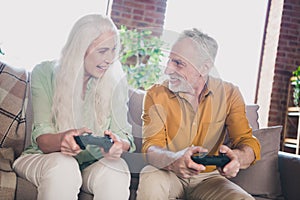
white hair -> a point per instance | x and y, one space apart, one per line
206 45
67 103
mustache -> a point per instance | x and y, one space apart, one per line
185 84
175 76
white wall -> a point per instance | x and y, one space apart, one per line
238 27
36 30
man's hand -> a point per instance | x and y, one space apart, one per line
241 158
184 166
232 168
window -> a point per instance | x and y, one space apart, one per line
237 26
33 31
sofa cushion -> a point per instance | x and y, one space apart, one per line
289 166
8 178
6 159
7 185
262 179
13 101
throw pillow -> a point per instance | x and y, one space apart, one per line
262 179
13 98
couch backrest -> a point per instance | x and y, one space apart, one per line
252 115
135 106
29 115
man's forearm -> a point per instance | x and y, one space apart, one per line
161 158
245 155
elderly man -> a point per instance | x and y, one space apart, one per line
189 114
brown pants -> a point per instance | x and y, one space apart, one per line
162 185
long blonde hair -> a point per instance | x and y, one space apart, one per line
67 103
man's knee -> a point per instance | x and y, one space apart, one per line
153 179
152 176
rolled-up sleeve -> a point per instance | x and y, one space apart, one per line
240 132
42 93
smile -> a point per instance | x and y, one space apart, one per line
174 80
102 67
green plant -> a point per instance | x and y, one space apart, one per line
1 52
296 82
141 55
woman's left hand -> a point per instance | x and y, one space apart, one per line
117 148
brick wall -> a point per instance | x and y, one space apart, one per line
287 60
139 14
281 56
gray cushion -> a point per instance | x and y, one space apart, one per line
262 179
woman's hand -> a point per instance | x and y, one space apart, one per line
119 146
68 144
61 142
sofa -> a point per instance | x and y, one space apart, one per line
275 176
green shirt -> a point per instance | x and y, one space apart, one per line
42 89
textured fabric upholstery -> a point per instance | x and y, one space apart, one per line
13 101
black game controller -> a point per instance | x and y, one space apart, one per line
219 161
83 140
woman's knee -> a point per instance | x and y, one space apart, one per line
114 168
117 166
103 174
60 167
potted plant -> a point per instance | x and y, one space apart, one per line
141 54
295 80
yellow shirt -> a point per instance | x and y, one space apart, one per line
170 122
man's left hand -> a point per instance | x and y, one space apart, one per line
233 167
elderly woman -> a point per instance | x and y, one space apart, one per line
83 92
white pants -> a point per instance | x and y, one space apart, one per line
57 176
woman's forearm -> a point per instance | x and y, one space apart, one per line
49 142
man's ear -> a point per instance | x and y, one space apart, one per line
206 67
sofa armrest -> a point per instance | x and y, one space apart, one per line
289 167
8 178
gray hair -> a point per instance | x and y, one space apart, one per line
206 45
